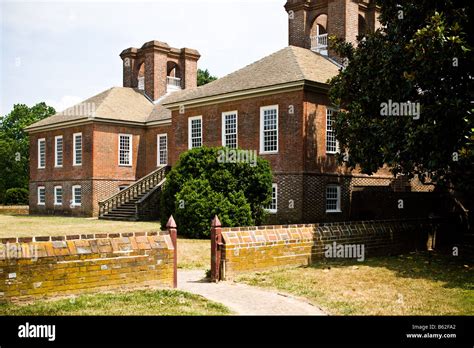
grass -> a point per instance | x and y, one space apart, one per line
142 302
194 253
403 285
30 226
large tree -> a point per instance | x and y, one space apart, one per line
422 55
14 145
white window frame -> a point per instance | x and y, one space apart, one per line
56 195
74 136
56 157
224 134
39 196
262 138
158 149
338 202
330 112
269 208
74 204
130 151
39 153
190 139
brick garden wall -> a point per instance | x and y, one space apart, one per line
66 265
258 248
14 209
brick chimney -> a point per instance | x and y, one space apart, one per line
158 69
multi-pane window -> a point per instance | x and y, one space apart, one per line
58 195
273 206
41 195
76 195
58 151
41 153
333 198
195 132
332 145
125 149
77 143
162 141
269 129
229 129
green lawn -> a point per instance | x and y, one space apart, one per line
29 226
404 285
142 302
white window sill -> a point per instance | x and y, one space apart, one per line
57 204
271 211
125 165
77 165
58 166
331 153
43 204
268 153
333 211
41 167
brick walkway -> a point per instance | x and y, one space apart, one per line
243 299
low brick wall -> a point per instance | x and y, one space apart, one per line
258 248
51 266
14 209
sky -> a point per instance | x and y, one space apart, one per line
62 52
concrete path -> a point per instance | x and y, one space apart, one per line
244 299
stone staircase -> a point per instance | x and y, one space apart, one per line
139 201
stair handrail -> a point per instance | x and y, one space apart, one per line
134 190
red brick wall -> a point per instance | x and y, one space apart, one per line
106 149
290 152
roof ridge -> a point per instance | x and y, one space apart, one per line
297 62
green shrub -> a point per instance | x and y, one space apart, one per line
16 196
200 187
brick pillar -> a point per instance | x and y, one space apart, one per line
216 241
172 230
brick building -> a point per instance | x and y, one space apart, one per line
105 156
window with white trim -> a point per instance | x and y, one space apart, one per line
269 129
333 199
332 145
273 206
77 145
41 195
229 129
76 195
58 195
195 132
41 153
162 151
58 151
125 149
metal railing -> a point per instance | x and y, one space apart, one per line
134 191
173 81
319 42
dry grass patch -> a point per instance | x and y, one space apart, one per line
194 253
29 226
404 285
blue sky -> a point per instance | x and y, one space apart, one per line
62 52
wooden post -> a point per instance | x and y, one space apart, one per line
216 240
172 230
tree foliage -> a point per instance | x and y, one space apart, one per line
201 186
14 145
204 77
422 54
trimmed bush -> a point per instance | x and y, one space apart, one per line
202 185
16 196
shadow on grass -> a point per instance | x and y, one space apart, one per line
455 272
